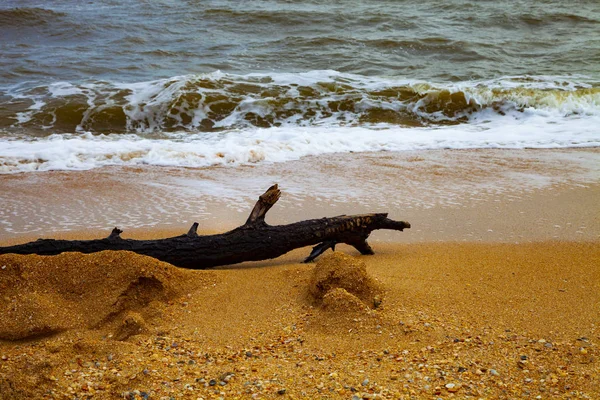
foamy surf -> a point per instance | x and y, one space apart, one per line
227 119
280 144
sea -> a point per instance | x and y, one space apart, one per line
200 83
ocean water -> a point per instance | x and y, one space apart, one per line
201 83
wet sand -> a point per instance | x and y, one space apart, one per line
494 292
470 195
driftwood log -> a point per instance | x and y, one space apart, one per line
253 241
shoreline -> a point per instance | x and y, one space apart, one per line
462 195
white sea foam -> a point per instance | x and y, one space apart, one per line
235 147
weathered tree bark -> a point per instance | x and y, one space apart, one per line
253 241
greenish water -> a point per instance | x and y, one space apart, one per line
450 40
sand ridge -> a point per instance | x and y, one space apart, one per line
43 295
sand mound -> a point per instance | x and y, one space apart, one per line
44 295
132 324
339 300
341 283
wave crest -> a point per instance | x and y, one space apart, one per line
219 101
28 16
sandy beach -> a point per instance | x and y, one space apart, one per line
494 292
473 122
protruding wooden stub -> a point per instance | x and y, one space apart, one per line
363 247
264 204
320 249
192 232
115 234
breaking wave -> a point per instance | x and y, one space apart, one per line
219 101
225 119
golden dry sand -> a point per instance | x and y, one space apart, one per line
425 321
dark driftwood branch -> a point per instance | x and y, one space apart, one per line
253 241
